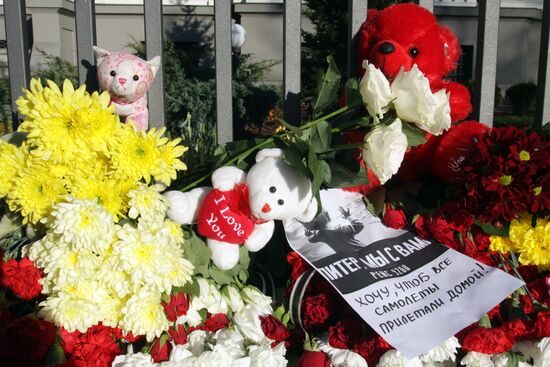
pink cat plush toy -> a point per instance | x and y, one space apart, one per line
127 78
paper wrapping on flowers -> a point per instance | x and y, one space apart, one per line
401 285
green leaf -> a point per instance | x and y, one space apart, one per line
196 251
244 258
279 312
294 158
297 131
55 355
327 89
9 223
352 91
16 138
286 318
415 136
219 276
243 275
327 174
321 136
490 229
344 177
191 288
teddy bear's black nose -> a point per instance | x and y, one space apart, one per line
386 48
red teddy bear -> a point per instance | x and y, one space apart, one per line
406 34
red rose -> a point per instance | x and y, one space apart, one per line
21 278
542 325
215 323
345 334
488 341
316 310
421 227
178 306
314 359
274 329
161 353
178 335
441 231
95 348
24 342
299 266
394 218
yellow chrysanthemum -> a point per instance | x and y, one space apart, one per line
147 203
519 227
70 312
34 99
34 192
11 161
83 223
501 244
68 123
143 314
137 155
170 161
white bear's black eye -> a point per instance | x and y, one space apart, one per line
113 73
413 52
280 201
136 78
272 189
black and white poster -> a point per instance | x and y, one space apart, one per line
415 293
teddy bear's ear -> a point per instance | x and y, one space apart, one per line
100 54
269 153
366 34
310 212
154 63
452 48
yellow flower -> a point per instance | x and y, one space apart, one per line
34 192
70 312
143 314
170 161
501 244
518 229
11 161
535 249
148 204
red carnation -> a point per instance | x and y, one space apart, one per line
421 227
488 341
214 323
129 337
316 310
274 329
178 306
21 278
345 334
441 231
299 266
178 335
314 359
519 329
542 325
96 347
24 342
371 349
394 218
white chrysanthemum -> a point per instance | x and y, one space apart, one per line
527 348
172 231
117 280
264 355
83 223
70 312
445 351
112 311
500 360
394 358
151 259
143 314
475 359
147 203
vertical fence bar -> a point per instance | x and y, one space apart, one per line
428 4
357 14
15 17
85 39
154 41
224 101
486 61
543 84
292 28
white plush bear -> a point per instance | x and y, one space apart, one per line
240 208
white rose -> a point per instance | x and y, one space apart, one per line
210 298
542 358
384 149
375 91
233 298
192 317
445 351
252 295
415 102
475 359
230 340
213 359
394 358
195 342
249 324
264 355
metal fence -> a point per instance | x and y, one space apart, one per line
486 56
